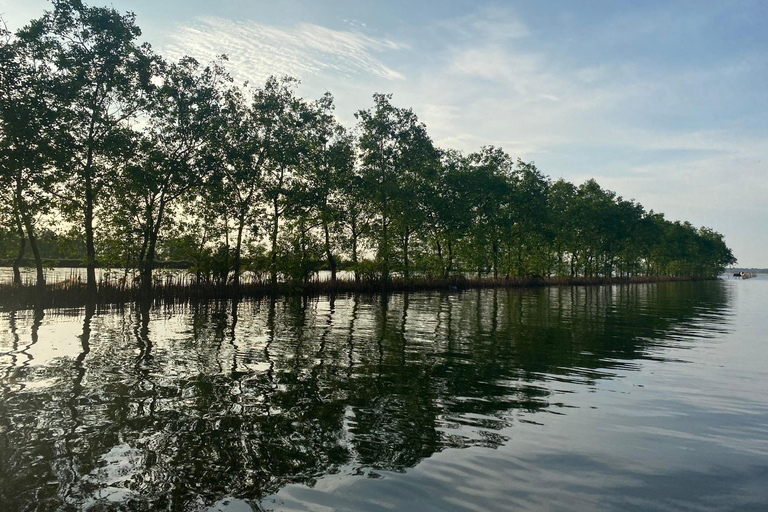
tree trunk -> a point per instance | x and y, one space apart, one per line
406 240
304 256
149 260
199 258
33 244
384 250
22 250
273 240
27 222
238 248
90 250
355 235
329 254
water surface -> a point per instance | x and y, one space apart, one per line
634 397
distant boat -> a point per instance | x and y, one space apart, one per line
744 275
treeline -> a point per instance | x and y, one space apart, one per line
144 159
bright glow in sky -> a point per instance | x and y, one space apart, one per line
664 102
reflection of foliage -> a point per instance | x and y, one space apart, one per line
181 409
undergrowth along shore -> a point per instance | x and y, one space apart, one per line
74 294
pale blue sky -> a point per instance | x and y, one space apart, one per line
661 101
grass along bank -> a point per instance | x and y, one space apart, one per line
74 294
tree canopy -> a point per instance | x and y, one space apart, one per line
136 159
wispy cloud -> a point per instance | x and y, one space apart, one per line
492 23
256 51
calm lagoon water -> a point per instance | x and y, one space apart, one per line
637 397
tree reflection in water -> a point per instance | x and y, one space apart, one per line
179 406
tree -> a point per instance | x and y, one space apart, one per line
562 223
448 207
236 190
30 136
489 195
9 211
174 155
527 233
282 117
326 169
354 216
396 153
102 76
715 253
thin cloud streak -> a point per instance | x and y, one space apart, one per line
256 51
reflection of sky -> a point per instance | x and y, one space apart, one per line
581 398
683 435
662 102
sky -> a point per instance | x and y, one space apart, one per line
664 102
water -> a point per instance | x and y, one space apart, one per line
58 274
79 274
640 397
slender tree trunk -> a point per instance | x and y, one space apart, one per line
439 249
238 248
141 264
384 249
304 256
22 250
90 250
149 260
220 277
149 263
27 223
449 267
495 260
145 239
35 251
273 240
328 253
199 258
355 235
406 240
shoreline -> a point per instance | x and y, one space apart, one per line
69 295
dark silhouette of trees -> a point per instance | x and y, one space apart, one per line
395 154
159 160
174 153
101 74
30 138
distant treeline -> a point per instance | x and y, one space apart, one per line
144 159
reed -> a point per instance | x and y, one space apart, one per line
182 288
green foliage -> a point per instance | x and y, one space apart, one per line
152 160
397 158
